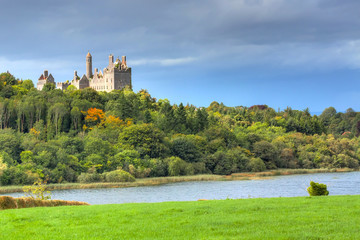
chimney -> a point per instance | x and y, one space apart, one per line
111 60
96 71
75 73
46 72
123 60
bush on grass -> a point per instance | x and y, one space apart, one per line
317 189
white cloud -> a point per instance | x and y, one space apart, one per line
32 69
344 54
163 62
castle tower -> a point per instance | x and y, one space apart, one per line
88 65
111 60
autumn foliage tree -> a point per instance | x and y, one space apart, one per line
97 117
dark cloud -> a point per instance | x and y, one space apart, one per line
208 35
172 28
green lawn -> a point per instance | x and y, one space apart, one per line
332 217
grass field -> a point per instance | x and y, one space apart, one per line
332 217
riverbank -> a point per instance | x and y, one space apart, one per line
165 180
331 217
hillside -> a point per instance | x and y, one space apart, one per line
88 136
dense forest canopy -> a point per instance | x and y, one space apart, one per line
88 136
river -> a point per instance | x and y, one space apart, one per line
280 186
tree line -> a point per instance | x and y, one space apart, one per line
88 136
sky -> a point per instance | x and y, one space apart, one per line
296 53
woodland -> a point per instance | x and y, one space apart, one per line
89 136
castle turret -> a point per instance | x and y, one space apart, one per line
111 60
123 63
88 65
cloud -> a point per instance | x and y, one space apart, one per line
234 33
31 68
339 55
163 62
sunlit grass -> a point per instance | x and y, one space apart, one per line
332 217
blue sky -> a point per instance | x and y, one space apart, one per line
297 53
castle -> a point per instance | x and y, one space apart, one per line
45 78
116 75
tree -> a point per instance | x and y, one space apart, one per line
48 87
327 115
126 158
98 146
145 138
7 79
3 164
56 115
185 148
37 190
201 119
76 116
27 84
178 167
180 119
7 91
147 117
94 116
10 143
267 152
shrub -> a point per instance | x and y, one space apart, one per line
178 167
7 202
90 177
317 189
139 172
256 165
199 168
37 191
16 176
119 176
159 168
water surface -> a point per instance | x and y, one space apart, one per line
280 186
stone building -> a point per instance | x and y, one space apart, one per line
116 75
43 79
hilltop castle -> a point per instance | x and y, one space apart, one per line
45 78
116 75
